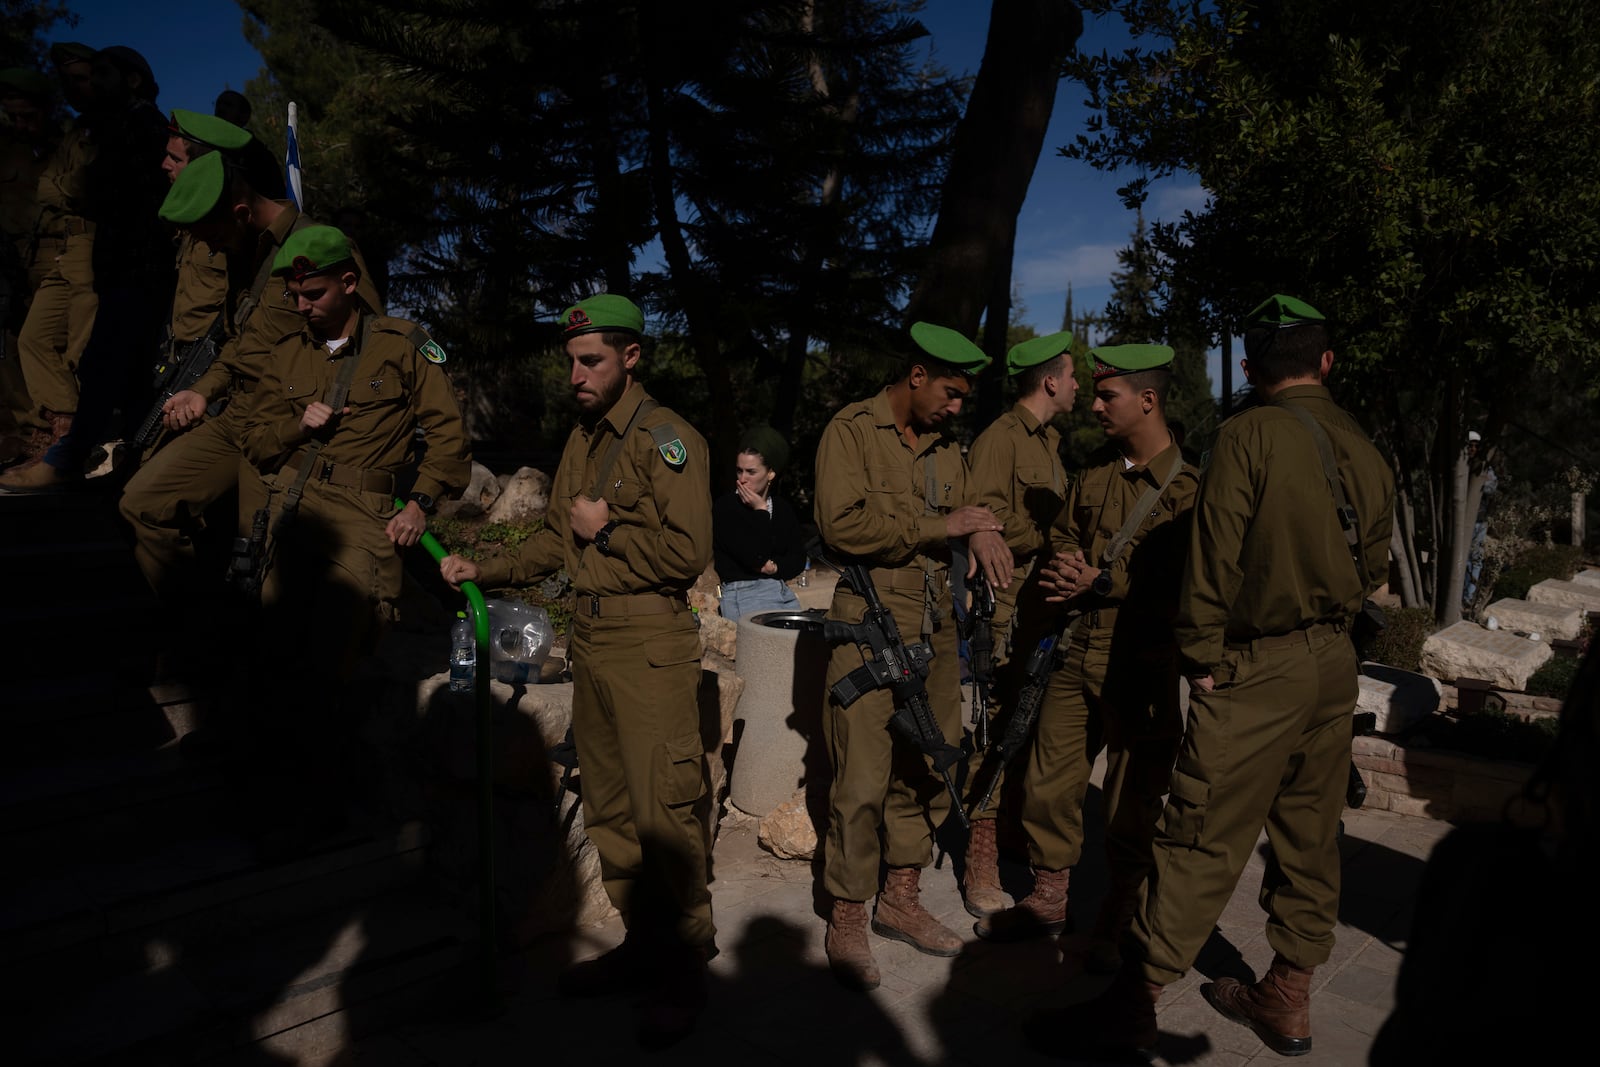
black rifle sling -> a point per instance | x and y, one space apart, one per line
259 285
1135 519
1330 470
335 400
614 447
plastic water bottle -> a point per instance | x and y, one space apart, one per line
463 654
805 576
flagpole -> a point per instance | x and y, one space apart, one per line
291 159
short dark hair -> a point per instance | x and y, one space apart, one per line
1031 379
938 368
619 340
1156 379
1278 353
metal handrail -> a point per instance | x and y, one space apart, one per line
488 985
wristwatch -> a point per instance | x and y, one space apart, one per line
602 537
1101 586
424 501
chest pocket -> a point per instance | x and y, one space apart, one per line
376 389
1036 476
303 390
624 493
890 480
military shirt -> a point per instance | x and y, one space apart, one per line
1015 470
872 488
661 504
243 359
396 390
1268 556
20 167
202 288
62 183
1145 577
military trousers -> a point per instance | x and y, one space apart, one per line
1128 708
58 325
886 800
1269 747
641 761
167 497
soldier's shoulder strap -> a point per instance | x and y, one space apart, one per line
613 450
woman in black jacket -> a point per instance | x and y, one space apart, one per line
756 535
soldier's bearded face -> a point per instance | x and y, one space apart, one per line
599 372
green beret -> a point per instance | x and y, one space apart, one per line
64 52
196 191
948 346
603 311
209 130
767 443
1113 361
26 81
1278 311
1037 350
312 251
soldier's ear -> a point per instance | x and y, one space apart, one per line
918 376
630 355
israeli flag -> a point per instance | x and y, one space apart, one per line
291 157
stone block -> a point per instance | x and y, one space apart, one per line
1399 699
1585 596
483 489
1551 621
789 832
1588 576
1468 650
526 497
780 715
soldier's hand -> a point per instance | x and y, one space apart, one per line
317 415
1205 683
1064 577
769 568
970 519
183 409
408 526
456 570
989 551
588 516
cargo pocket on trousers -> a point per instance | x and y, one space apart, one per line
683 770
1186 808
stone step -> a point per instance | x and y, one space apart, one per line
1585 596
100 915
287 993
45 720
1550 621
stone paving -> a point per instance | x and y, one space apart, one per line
774 1002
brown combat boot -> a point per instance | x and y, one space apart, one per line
1039 914
980 884
1277 1008
849 955
1120 1020
901 916
35 476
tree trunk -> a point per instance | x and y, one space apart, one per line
993 155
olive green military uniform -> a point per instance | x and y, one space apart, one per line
881 500
1263 606
201 291
636 656
169 493
334 564
62 314
20 167
1117 687
1015 471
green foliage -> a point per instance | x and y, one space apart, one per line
1496 735
508 535
23 26
1534 564
1423 174
1400 645
1555 678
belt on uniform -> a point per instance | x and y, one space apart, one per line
342 474
245 385
1293 639
904 579
75 227
629 604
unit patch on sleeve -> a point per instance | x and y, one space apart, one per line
432 352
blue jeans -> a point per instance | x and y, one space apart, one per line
761 594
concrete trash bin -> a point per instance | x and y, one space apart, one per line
783 662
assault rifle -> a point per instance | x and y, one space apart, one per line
980 658
889 663
177 373
1042 661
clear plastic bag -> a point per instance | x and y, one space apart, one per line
520 636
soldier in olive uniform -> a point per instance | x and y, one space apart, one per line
1016 472
202 270
892 491
1269 591
1117 688
27 140
61 316
630 520
217 199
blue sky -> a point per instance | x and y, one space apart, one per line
1071 225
